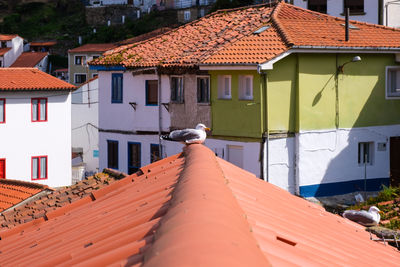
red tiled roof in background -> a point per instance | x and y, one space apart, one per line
29 59
39 207
4 50
7 37
192 209
100 48
30 79
13 192
230 37
47 43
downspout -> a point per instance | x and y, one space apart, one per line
159 112
296 170
264 126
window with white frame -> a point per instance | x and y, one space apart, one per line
203 89
2 110
39 109
365 153
39 167
246 87
177 89
393 82
224 87
80 78
80 60
186 15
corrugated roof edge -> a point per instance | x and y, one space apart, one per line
203 214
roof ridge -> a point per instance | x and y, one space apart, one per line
274 18
203 211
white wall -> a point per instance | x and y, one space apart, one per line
121 116
85 119
392 13
335 8
21 138
42 65
17 45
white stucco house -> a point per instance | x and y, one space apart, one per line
35 126
11 47
85 121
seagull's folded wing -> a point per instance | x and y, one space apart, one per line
184 135
361 217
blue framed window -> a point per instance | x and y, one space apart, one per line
154 152
134 154
116 87
151 92
112 154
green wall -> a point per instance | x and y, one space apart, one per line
236 117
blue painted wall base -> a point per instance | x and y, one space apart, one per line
340 188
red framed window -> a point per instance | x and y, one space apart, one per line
2 110
39 168
39 109
2 168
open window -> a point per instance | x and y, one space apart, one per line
365 153
151 92
203 89
112 154
177 95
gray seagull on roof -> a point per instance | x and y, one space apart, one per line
188 136
366 218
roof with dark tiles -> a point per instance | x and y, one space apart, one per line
39 207
13 192
90 48
29 59
192 209
231 37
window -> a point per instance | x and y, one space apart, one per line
186 15
2 110
112 154
392 82
177 89
365 153
39 167
203 89
317 5
246 87
133 157
80 60
224 87
80 78
355 6
151 92
2 168
39 109
116 87
154 153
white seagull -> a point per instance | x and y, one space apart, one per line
188 136
366 218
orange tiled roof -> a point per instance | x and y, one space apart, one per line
192 209
101 48
13 192
30 79
37 208
230 37
47 43
4 50
29 59
7 37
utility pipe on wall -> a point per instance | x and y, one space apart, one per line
264 115
159 113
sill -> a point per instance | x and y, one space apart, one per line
36 179
225 98
203 103
354 14
151 105
116 102
176 102
40 121
245 99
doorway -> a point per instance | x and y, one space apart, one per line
395 161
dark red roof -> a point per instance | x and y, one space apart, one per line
192 209
46 43
30 79
100 48
4 50
29 59
7 37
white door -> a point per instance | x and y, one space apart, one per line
235 155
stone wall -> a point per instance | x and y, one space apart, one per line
101 15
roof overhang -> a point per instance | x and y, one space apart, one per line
268 65
228 67
106 68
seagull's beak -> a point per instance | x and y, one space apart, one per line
207 129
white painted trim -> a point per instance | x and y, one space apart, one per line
387 97
269 65
227 67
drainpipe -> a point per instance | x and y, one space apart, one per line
159 112
264 116
296 170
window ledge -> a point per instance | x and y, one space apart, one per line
203 104
354 14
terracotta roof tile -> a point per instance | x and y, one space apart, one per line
30 79
39 207
13 192
192 209
100 48
230 37
46 43
4 50
144 36
29 59
7 37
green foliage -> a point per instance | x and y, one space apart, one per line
388 193
58 61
